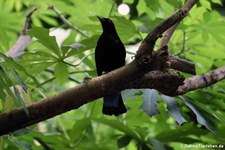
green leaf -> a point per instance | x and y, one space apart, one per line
78 129
150 102
16 91
130 93
125 28
61 72
200 118
205 35
3 86
18 79
21 101
181 134
141 118
217 2
42 34
36 62
13 64
23 145
119 126
206 4
154 5
73 46
173 109
6 81
157 145
123 141
52 141
50 20
145 147
89 43
84 45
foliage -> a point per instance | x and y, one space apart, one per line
51 65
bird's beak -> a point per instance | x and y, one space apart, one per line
101 18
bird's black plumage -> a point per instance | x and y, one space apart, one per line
109 55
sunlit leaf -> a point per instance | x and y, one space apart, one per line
205 4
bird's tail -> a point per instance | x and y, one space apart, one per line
113 105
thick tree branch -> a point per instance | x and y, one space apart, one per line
75 97
181 65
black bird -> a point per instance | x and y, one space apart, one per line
110 54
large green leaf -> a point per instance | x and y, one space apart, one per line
42 34
11 63
21 144
84 45
119 126
36 62
200 118
7 83
181 134
79 128
61 72
125 28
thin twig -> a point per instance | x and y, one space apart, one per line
26 25
65 21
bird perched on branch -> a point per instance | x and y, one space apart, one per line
110 54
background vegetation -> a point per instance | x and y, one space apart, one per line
52 64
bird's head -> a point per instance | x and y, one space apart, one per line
107 24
